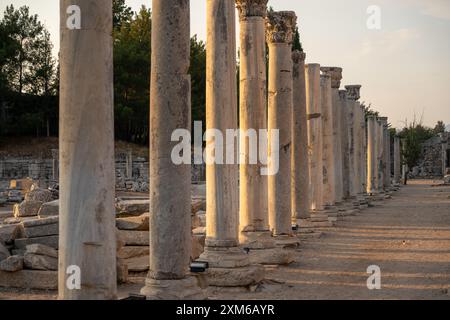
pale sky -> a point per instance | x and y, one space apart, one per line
404 68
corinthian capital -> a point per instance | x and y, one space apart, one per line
251 8
281 26
298 56
336 75
353 92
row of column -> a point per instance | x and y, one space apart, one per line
322 147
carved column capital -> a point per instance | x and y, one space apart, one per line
354 92
251 8
336 75
298 56
281 26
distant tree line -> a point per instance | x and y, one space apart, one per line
29 74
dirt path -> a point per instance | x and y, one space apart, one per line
408 237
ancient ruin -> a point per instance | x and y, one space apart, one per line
183 231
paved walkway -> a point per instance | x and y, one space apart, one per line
408 237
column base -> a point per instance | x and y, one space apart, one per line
230 267
287 242
257 240
273 256
183 289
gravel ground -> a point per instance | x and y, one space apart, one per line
407 237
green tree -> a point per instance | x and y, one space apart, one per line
297 45
122 14
24 29
198 79
414 134
132 47
439 128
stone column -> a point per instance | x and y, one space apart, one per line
170 197
372 158
280 26
229 265
397 161
254 219
386 146
363 151
253 104
345 145
315 136
353 94
87 216
129 164
380 151
329 185
300 166
336 77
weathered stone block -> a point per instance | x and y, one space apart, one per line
39 262
27 208
50 241
198 245
132 207
135 238
49 209
41 195
4 252
29 279
8 233
140 223
42 230
42 250
138 264
133 252
12 264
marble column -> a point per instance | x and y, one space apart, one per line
253 184
300 167
353 94
229 265
328 152
170 196
345 145
386 154
87 241
315 136
397 161
363 123
380 152
336 77
280 26
372 158
254 218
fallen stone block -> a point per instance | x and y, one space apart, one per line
135 238
140 223
49 209
122 271
18 252
29 279
42 250
41 195
39 262
27 208
4 252
198 205
133 252
12 264
42 230
138 264
198 245
50 241
132 207
8 233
